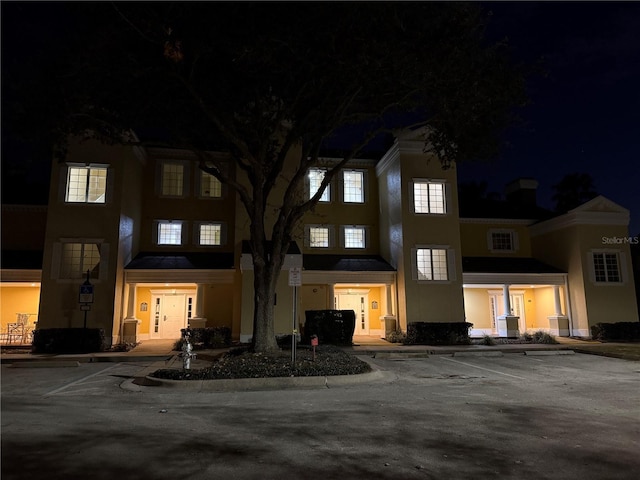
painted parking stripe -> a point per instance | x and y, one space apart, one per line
53 392
482 368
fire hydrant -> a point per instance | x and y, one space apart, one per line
187 351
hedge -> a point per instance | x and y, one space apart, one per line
334 327
625 331
438 333
209 337
68 340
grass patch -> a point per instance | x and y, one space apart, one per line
241 363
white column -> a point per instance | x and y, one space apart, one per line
388 290
556 296
131 302
506 300
199 300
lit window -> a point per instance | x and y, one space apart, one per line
353 186
606 267
210 234
86 185
210 186
319 237
354 237
316 175
429 197
431 264
77 258
172 179
169 233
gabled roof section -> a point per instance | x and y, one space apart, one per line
181 261
600 204
506 265
346 263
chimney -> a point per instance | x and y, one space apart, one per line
522 192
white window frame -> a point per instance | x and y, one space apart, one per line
157 226
197 234
502 231
86 188
363 187
365 236
621 265
430 208
57 263
184 186
313 184
449 262
330 236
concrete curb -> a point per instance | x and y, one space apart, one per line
47 364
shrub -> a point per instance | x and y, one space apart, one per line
334 327
623 331
209 337
543 337
396 336
438 333
68 340
487 340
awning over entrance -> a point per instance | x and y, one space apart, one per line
194 267
510 270
347 269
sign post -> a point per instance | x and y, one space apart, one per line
295 280
85 299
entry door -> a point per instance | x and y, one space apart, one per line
357 303
173 315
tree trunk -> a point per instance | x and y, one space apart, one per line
264 284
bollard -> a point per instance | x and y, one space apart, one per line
187 353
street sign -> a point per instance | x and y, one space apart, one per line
295 277
86 293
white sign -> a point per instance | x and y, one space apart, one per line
86 293
295 277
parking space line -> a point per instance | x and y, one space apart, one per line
482 368
53 392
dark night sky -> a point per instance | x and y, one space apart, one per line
584 116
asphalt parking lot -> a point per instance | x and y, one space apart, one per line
444 417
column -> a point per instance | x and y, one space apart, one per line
558 323
507 323
198 320
130 322
131 302
331 293
388 321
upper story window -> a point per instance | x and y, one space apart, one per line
210 186
86 185
429 197
319 237
432 264
502 240
78 258
355 237
169 232
606 267
172 179
353 186
210 234
315 176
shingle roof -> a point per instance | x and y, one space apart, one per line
506 265
346 263
181 261
21 259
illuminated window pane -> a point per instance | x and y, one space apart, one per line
431 264
169 233
315 179
429 197
210 234
354 237
172 179
353 187
210 186
318 237
86 185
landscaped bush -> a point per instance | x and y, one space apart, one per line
334 327
396 336
438 333
68 340
622 331
206 338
